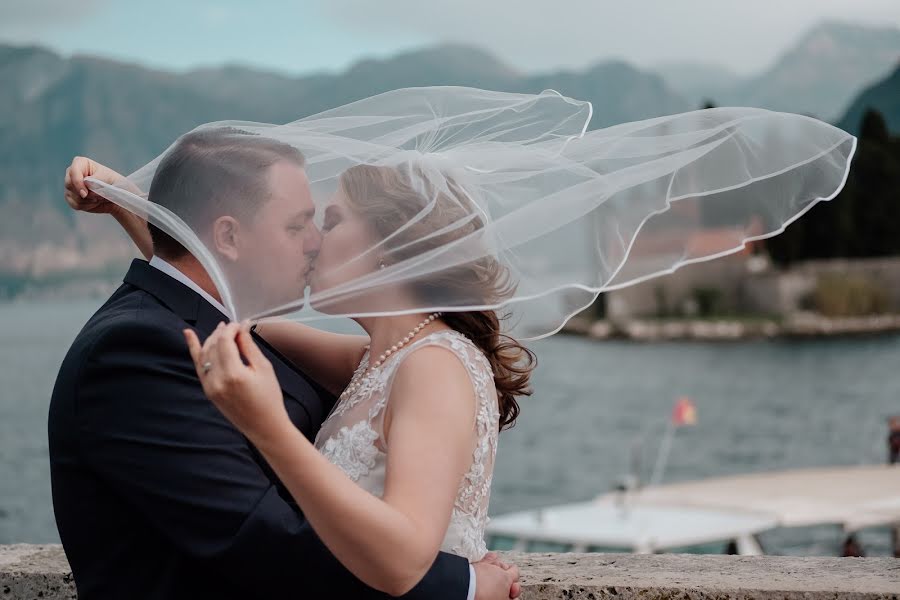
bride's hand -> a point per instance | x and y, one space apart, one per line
77 194
249 395
79 197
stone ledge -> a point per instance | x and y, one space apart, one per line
705 577
32 571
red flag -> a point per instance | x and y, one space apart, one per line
684 412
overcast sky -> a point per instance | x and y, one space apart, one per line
531 35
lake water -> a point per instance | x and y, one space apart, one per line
761 405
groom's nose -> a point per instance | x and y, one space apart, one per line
313 241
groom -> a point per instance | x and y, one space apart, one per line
156 494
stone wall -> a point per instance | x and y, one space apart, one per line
28 571
782 292
669 294
744 289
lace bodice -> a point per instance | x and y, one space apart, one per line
352 438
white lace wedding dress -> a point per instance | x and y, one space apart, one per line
352 438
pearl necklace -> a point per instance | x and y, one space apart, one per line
358 377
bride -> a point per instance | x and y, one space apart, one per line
402 467
447 205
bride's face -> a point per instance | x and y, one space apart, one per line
345 254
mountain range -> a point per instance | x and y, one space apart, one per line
53 108
820 75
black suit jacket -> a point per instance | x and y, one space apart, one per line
156 494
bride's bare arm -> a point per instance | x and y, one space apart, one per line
79 197
389 542
328 358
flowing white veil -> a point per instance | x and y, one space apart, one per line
466 199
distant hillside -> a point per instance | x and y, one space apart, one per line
53 108
884 97
819 75
822 74
698 82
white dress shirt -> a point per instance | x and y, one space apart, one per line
177 275
182 278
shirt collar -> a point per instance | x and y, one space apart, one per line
177 275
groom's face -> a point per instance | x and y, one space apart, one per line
278 244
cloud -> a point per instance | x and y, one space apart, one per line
529 35
216 15
535 34
32 16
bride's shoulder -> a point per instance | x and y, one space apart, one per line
444 357
430 374
436 357
455 344
458 342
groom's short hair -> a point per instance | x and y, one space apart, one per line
210 173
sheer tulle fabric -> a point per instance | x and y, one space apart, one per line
512 193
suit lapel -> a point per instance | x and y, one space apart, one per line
204 317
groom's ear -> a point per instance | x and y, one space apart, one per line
226 231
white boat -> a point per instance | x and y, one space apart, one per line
714 515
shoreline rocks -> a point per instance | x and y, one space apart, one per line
798 325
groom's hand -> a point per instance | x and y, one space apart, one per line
495 579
